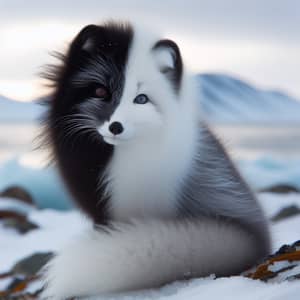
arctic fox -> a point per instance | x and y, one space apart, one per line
166 201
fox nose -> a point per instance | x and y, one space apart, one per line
116 128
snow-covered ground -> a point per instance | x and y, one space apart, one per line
266 172
57 228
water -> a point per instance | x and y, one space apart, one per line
243 141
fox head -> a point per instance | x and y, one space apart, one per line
120 81
152 78
123 81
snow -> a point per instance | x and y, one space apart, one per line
280 265
283 275
232 288
15 205
267 171
272 203
52 235
57 228
286 231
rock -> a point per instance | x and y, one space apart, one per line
18 193
297 245
23 274
31 265
279 266
17 221
280 189
286 212
285 249
8 214
19 295
17 285
22 226
293 277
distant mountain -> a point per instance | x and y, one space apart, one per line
227 99
16 111
224 99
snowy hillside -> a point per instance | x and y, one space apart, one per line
227 99
15 111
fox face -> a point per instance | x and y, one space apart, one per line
148 97
137 116
119 84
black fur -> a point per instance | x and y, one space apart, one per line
74 112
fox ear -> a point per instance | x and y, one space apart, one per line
86 39
169 61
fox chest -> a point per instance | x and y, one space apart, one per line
141 190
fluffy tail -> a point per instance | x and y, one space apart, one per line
145 254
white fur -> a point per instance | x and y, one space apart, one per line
164 59
155 151
146 254
88 45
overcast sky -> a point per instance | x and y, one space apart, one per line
256 40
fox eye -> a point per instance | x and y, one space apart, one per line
101 92
141 99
